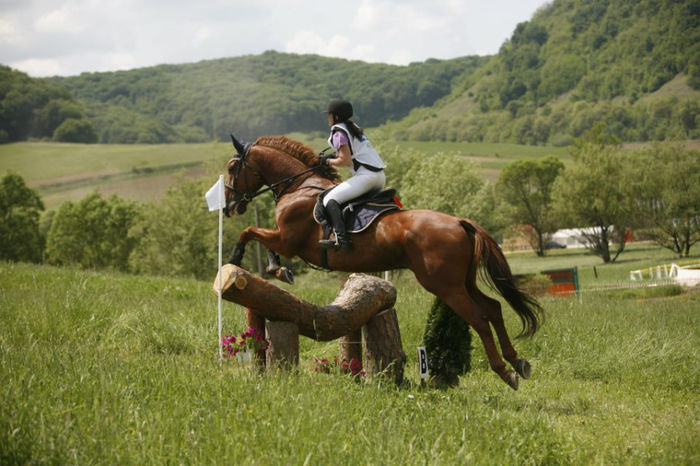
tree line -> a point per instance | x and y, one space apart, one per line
270 93
634 64
34 109
654 191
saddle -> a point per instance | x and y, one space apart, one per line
361 212
358 213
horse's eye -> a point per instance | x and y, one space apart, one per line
230 170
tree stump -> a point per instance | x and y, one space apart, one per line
283 351
350 347
359 303
255 321
382 346
360 298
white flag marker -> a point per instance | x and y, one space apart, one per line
216 200
215 196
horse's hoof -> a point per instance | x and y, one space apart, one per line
511 379
522 367
285 275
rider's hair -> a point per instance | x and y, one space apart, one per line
354 130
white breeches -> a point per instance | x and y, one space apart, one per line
363 181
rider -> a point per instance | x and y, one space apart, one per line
353 150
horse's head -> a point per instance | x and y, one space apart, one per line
243 180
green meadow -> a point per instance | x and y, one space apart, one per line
107 368
62 171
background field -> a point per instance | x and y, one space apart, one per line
111 368
61 172
143 172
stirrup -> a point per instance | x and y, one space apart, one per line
335 243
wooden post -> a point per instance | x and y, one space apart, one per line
283 351
360 298
363 300
256 321
350 347
382 345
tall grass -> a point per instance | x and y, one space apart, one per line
115 369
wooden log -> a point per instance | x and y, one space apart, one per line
256 321
283 351
358 300
350 347
382 346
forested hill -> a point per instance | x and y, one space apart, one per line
634 64
269 93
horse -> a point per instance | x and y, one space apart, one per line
444 252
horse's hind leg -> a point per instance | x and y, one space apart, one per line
477 317
492 309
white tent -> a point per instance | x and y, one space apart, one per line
573 237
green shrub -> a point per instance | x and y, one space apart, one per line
20 207
75 130
534 284
447 341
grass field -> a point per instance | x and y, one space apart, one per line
61 172
105 368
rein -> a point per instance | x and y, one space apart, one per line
285 182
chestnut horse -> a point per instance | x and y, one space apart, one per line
443 252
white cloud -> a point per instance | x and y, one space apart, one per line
202 35
38 66
369 14
306 41
8 33
61 20
73 36
118 61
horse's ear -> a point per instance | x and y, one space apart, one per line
241 148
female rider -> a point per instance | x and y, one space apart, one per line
353 150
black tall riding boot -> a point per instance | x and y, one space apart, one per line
335 215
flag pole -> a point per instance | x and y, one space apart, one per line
221 229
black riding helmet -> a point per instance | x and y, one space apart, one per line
342 109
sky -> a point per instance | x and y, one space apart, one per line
68 37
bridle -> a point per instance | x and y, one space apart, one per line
245 196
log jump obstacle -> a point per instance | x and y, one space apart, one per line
361 317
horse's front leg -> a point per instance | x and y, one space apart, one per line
269 238
275 268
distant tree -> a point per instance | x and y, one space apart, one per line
443 182
594 194
53 114
666 180
177 236
32 108
75 130
20 207
526 185
92 233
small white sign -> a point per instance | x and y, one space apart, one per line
423 362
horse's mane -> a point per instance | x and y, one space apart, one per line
299 151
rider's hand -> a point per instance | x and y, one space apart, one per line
323 159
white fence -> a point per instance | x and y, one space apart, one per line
686 275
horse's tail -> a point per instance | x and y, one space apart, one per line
496 272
